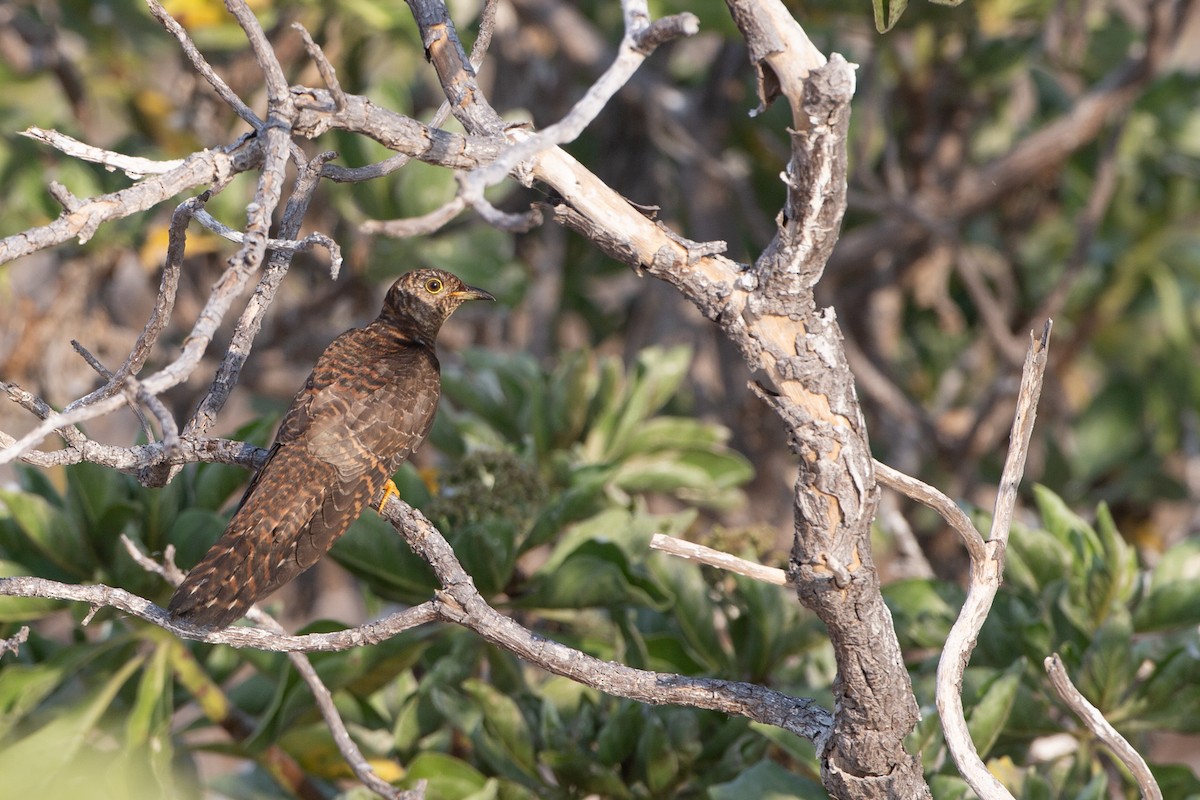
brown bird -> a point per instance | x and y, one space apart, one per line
368 404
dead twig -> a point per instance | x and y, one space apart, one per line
986 573
1104 731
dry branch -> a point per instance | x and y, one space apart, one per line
1104 731
984 580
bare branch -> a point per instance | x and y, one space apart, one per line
984 581
320 692
1104 731
715 558
1022 431
933 498
416 226
636 45
328 73
206 167
39 407
133 166
460 602
250 321
13 643
315 239
106 373
202 66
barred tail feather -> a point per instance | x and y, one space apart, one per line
258 551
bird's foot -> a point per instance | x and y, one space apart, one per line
389 491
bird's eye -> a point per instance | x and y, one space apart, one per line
433 285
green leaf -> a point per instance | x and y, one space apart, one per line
504 734
618 738
579 501
91 490
693 610
767 780
950 787
31 764
487 551
1035 559
1109 663
678 433
449 778
923 609
194 532
887 13
217 483
23 687
1173 597
1119 559
373 552
1176 780
629 530
595 574
657 759
52 535
150 717
988 717
655 379
1169 698
570 393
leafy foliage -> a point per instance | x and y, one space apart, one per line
1126 634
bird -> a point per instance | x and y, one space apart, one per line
366 407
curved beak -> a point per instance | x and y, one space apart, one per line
471 293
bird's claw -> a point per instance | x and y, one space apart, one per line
389 491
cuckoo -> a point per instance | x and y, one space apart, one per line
368 404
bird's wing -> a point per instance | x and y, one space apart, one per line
368 403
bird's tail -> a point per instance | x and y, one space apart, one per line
221 588
293 512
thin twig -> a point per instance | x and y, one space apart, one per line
1104 731
13 643
42 410
328 73
984 581
715 558
933 498
1022 431
107 374
415 226
636 45
432 221
201 65
314 239
461 603
205 167
250 321
133 166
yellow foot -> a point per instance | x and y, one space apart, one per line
389 491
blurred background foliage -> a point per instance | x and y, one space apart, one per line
598 408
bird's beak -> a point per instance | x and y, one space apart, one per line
471 293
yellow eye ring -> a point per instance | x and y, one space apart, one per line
434 285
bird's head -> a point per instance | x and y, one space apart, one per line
421 300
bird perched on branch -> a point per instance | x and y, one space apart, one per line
368 404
